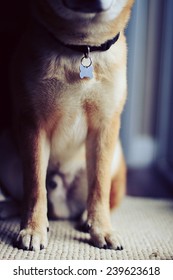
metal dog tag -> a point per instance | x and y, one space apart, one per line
86 71
86 67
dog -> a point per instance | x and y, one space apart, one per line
68 84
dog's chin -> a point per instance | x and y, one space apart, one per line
88 6
99 10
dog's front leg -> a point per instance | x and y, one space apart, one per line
35 154
100 147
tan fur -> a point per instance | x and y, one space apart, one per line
118 184
56 113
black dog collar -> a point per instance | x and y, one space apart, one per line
102 48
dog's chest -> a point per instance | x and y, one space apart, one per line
68 135
81 103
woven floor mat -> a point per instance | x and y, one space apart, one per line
145 225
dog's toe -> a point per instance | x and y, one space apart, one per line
106 240
113 241
29 239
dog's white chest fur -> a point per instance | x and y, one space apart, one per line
68 137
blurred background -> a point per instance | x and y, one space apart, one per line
147 127
147 122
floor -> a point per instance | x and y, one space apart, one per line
145 227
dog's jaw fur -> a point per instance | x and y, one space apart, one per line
61 21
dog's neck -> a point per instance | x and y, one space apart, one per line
85 48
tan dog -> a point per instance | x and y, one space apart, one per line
65 108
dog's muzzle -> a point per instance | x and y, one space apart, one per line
88 6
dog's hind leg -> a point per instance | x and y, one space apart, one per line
11 179
9 209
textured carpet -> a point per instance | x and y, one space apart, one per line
145 225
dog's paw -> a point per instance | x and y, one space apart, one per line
105 239
34 240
